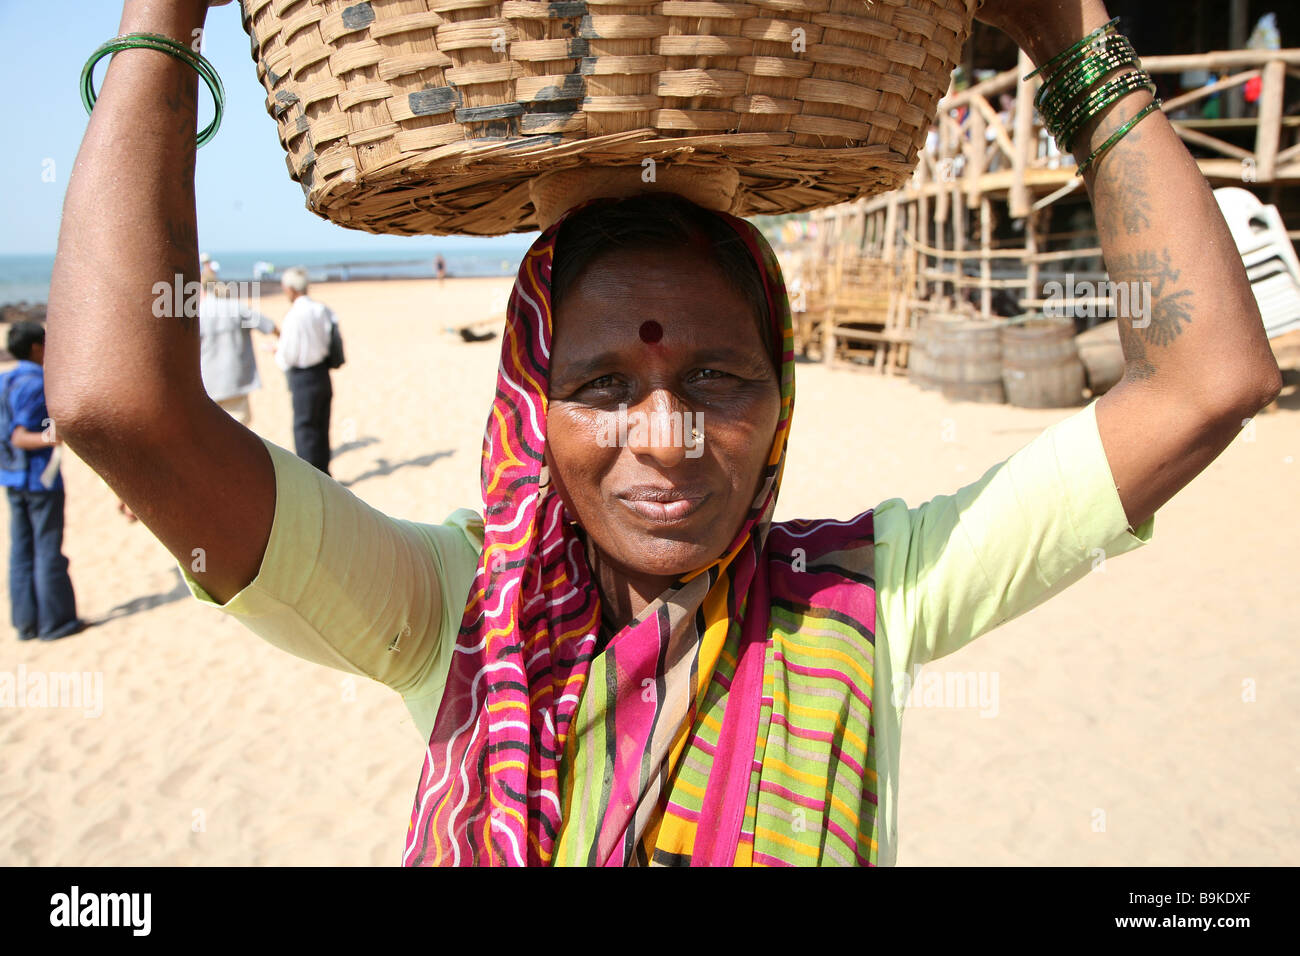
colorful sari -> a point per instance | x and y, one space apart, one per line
729 723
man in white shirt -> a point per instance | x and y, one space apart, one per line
302 353
226 347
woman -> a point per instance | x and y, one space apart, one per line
623 660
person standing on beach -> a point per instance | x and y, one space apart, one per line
303 354
226 347
41 600
440 267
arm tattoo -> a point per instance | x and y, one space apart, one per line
1152 276
1126 172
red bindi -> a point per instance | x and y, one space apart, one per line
651 332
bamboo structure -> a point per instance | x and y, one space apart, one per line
984 172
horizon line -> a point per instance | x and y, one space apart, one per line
260 252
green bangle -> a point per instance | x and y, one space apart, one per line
1067 72
1056 106
1068 84
1100 100
1047 67
1118 135
163 44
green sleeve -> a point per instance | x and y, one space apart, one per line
959 565
340 581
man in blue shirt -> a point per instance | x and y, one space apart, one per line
40 591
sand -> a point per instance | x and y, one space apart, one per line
1146 716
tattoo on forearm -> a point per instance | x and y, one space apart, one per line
1125 172
1169 308
1123 190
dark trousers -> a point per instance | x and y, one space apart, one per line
40 591
312 394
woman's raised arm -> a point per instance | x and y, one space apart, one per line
1198 363
122 381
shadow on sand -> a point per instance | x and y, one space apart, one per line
383 466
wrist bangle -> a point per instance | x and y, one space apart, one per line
1098 101
163 44
1049 66
1069 85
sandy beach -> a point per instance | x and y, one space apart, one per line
1147 716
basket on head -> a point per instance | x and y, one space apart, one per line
432 116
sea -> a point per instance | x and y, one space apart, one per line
26 278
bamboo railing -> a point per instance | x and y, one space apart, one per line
975 154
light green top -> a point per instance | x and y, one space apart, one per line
341 581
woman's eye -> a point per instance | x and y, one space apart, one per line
605 381
710 373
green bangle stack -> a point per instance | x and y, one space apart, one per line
163 44
1077 88
1117 53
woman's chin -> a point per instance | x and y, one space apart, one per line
662 558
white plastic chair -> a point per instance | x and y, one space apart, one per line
1268 255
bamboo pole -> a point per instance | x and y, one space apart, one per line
891 227
1221 59
923 234
975 153
1031 249
913 285
943 172
1019 254
828 322
986 270
1269 135
1211 142
960 224
1018 197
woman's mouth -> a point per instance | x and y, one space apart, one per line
662 505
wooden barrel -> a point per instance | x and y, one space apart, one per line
965 358
918 356
1040 364
1102 357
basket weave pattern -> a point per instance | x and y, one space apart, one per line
430 116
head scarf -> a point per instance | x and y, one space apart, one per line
545 751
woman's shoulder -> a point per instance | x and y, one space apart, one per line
824 535
812 560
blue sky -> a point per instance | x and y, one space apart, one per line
246 199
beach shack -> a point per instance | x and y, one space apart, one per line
995 226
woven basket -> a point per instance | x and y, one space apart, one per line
431 116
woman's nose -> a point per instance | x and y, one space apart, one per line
654 429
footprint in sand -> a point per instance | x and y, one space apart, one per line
86 740
107 832
96 793
175 785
